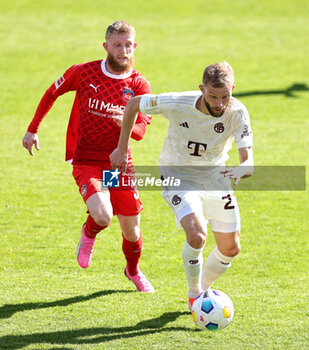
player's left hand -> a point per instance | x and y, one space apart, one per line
234 174
117 115
118 159
117 120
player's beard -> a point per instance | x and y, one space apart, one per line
212 112
119 67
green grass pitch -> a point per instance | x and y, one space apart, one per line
46 300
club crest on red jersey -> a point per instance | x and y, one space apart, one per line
83 190
127 94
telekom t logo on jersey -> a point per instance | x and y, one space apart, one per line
196 148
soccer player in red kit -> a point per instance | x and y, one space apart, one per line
102 88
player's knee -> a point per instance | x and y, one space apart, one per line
231 251
102 218
234 251
197 240
132 234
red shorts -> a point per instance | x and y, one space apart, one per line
89 180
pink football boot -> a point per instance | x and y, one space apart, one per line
141 282
84 250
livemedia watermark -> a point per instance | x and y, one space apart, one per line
202 178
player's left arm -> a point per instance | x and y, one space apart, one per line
243 139
245 168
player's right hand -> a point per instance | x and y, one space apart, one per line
29 140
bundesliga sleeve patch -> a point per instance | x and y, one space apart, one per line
59 82
246 131
151 102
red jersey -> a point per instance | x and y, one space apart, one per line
92 134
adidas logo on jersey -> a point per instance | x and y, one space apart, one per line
185 125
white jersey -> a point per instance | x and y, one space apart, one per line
195 138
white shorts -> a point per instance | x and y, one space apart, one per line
218 208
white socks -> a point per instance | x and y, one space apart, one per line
193 262
215 265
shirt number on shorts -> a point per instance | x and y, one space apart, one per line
228 204
136 194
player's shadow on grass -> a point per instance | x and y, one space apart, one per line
7 310
288 92
97 335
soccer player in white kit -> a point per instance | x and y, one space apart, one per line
203 126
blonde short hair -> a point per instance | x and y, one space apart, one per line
119 27
218 75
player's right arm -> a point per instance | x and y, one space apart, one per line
146 104
118 157
67 82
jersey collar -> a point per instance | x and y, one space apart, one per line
115 76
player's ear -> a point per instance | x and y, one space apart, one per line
134 45
233 87
105 46
201 87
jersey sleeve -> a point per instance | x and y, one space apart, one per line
156 104
67 82
243 132
139 128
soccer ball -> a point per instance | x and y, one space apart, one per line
212 310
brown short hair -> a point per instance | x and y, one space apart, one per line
119 27
218 75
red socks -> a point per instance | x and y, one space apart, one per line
92 228
132 251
